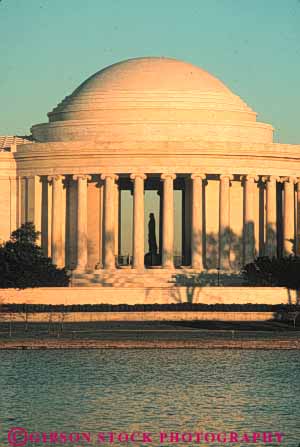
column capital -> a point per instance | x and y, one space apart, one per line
113 176
226 176
82 176
168 176
290 179
250 177
55 178
271 178
133 176
298 189
196 175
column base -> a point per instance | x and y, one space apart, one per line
99 266
225 268
59 265
80 269
138 269
199 267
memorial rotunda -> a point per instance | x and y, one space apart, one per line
152 167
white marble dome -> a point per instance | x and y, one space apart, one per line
153 99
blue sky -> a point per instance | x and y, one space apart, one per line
48 47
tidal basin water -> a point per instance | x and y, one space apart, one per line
125 390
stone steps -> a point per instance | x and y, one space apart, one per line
156 277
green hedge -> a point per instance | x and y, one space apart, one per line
148 307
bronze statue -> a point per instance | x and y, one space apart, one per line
151 235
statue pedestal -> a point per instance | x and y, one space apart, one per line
152 259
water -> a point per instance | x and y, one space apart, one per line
151 390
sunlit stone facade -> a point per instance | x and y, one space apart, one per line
160 136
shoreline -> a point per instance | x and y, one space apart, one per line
287 344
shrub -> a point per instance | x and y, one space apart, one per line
265 271
22 263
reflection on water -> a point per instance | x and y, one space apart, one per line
151 390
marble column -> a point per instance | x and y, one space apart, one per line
24 199
298 217
197 221
117 214
289 215
168 221
56 219
138 221
13 180
109 262
271 215
187 222
224 221
99 264
249 218
46 216
82 237
34 203
160 226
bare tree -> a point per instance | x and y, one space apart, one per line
63 313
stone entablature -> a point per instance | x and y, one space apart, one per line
214 158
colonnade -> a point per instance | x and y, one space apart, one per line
290 220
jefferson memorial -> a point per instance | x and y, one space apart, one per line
152 167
